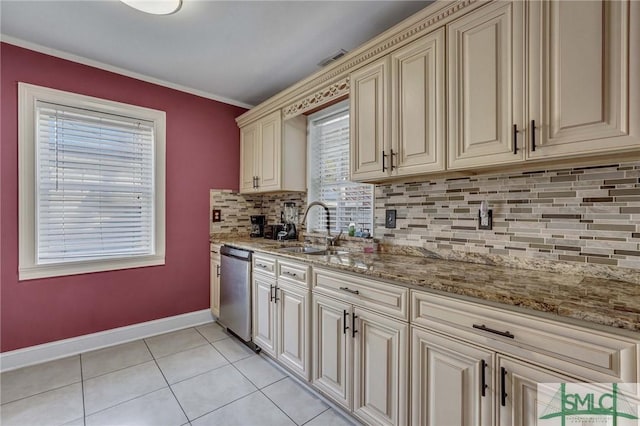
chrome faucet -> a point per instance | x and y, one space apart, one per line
330 240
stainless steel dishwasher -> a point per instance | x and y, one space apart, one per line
235 292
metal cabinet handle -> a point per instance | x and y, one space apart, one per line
392 154
347 289
503 386
533 135
260 265
345 327
515 139
483 378
384 167
491 330
271 287
353 325
257 181
291 274
217 270
275 294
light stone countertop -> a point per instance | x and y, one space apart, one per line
596 300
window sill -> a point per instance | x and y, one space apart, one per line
86 267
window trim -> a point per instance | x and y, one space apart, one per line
28 268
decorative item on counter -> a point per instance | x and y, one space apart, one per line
371 246
352 229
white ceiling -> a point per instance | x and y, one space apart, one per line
242 52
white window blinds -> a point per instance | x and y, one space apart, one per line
95 189
329 175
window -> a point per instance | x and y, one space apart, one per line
91 184
328 174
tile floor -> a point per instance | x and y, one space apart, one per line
196 376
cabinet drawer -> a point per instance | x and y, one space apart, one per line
264 264
592 354
382 297
214 251
295 272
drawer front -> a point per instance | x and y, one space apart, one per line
293 272
264 264
591 354
214 251
382 297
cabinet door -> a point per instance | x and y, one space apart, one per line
332 363
486 99
380 363
264 315
447 382
248 146
214 287
417 117
293 335
583 62
520 406
268 152
368 121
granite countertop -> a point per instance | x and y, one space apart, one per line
596 300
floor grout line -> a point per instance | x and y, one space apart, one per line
168 385
222 406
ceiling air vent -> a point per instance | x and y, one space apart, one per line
339 54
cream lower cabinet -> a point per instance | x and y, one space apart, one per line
518 389
281 313
264 300
214 279
360 360
452 383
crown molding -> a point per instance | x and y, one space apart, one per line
428 19
117 70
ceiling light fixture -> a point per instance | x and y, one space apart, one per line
155 7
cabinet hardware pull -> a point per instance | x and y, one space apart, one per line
254 182
353 325
260 265
349 290
384 167
503 387
217 270
257 182
491 330
345 327
271 287
392 154
275 294
483 378
533 135
515 139
291 274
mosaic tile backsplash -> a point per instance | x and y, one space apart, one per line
585 218
587 215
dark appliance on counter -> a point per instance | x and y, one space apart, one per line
271 231
258 223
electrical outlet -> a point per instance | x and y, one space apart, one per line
389 218
216 215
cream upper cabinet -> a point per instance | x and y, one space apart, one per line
485 86
369 121
452 382
273 154
418 106
398 112
584 63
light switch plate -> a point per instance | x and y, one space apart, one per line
389 218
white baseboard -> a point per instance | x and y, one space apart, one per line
89 342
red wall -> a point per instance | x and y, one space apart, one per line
202 153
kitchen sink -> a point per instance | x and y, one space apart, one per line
317 251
